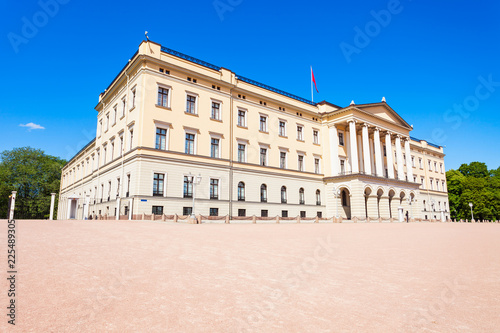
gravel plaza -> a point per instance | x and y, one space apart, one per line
144 276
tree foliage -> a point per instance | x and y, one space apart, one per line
474 183
34 175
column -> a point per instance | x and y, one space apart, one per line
388 148
118 208
334 150
409 166
360 153
69 209
399 157
52 201
366 150
378 153
371 206
354 147
384 207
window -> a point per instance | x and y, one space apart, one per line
161 138
157 210
124 103
342 167
435 167
263 193
115 111
385 150
241 191
413 161
242 212
121 145
188 186
214 212
242 122
187 210
441 167
128 185
414 179
263 124
443 188
241 153
263 156
315 137
133 98
300 164
99 128
300 134
430 168
422 182
301 196
131 131
302 213
341 138
189 149
158 181
215 114
282 159
318 197
214 189
420 163
432 184
104 150
316 165
282 129
118 187
163 97
264 212
283 194
404 158
214 148
284 213
112 149
109 190
191 104
425 206
319 214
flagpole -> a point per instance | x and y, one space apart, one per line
312 92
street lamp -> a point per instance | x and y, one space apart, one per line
471 212
195 180
336 193
410 202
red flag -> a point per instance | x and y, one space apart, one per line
314 80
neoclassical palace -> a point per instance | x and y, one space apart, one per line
177 135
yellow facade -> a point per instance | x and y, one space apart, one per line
167 116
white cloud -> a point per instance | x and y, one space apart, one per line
32 126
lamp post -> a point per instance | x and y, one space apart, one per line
195 180
410 202
471 212
336 193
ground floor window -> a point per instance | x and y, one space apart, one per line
242 212
158 210
263 213
302 213
214 211
126 210
187 210
284 213
319 214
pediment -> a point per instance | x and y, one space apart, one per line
383 111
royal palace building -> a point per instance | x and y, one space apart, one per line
177 135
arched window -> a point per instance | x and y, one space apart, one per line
318 197
283 194
344 198
241 191
301 196
263 193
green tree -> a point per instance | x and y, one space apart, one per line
474 183
34 175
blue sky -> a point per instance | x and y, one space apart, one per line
435 62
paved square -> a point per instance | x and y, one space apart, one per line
131 276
